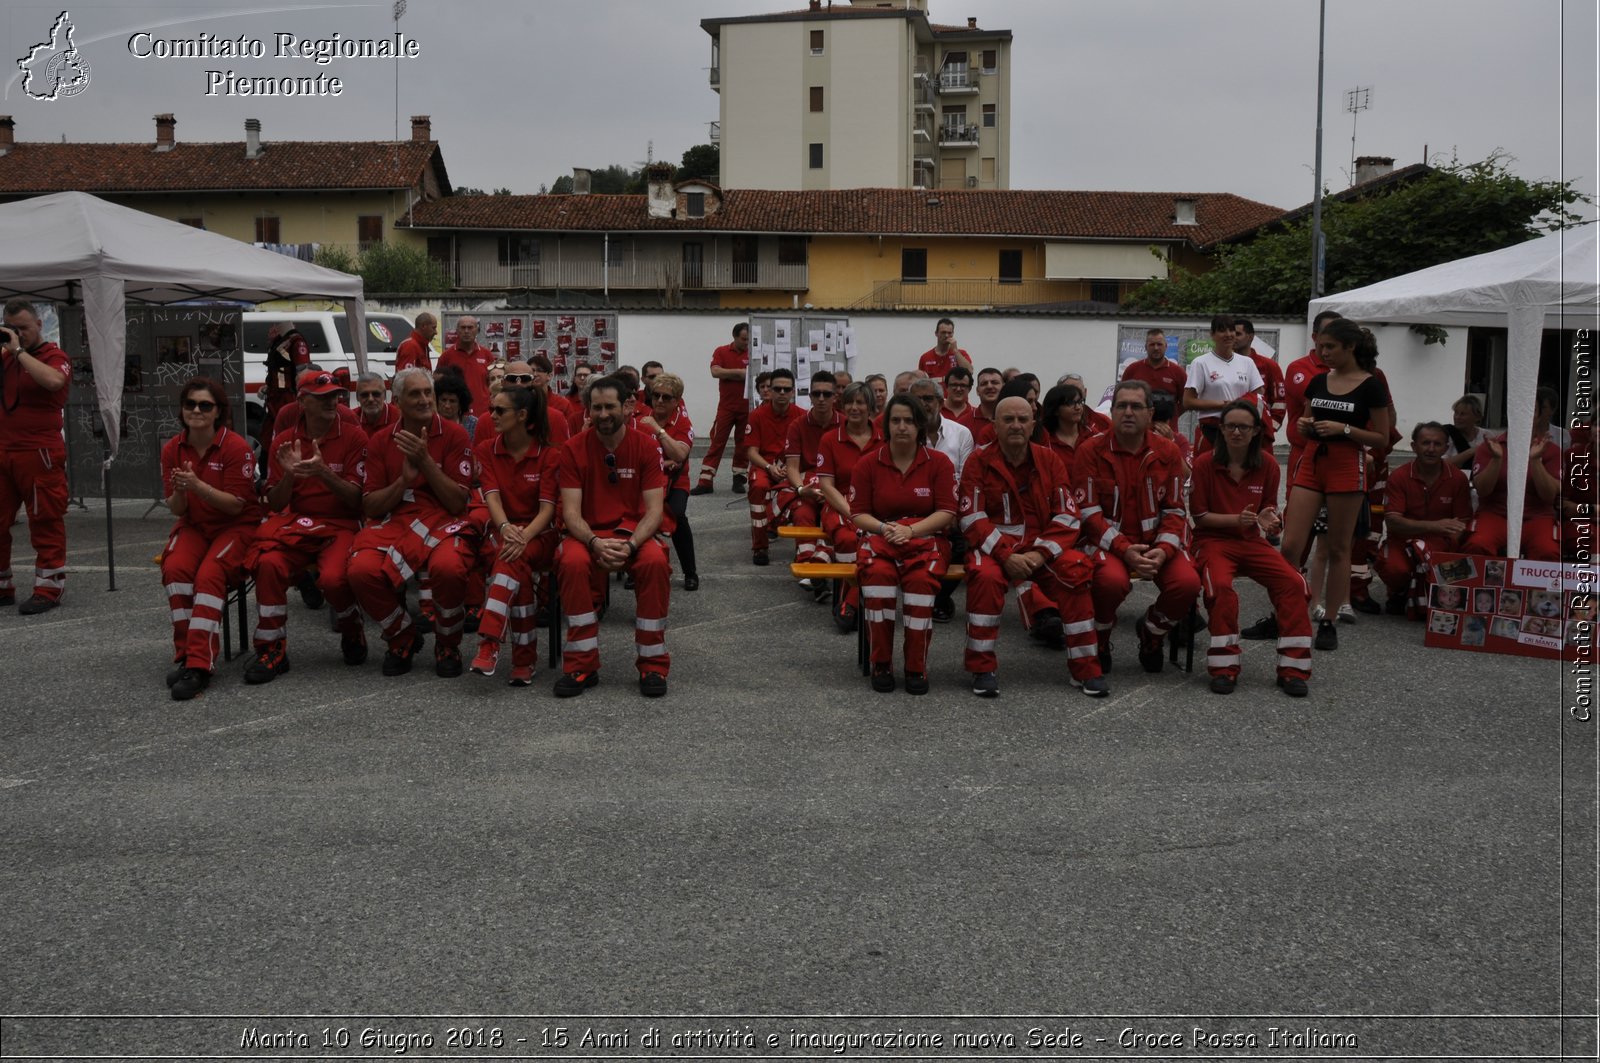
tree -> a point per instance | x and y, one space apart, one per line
464 190
1452 212
393 269
703 161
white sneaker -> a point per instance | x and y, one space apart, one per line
1347 615
1318 613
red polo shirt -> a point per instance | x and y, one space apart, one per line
608 505
881 490
1408 496
768 431
839 455
1169 376
1532 504
344 449
229 464
1296 379
730 392
523 485
414 351
805 439
30 416
292 415
451 451
936 365
1212 490
681 429
474 366
390 415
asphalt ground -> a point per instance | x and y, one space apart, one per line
1416 838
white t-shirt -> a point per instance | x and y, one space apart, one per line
954 442
1218 381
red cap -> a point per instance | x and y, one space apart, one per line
317 382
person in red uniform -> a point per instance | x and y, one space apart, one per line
986 385
34 378
417 348
374 412
209 474
902 498
472 361
766 437
667 422
293 413
1093 419
1022 527
613 496
517 477
314 482
1129 485
801 452
957 396
1347 408
1160 372
944 355
1490 533
1234 501
1428 504
288 354
730 364
1244 338
842 449
1064 427
419 471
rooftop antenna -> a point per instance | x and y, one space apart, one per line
1356 101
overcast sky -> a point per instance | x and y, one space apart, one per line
1148 95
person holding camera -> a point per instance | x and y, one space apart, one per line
34 375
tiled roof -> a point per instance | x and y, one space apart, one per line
873 211
37 168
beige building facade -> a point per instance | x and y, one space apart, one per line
861 95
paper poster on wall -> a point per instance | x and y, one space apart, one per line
756 337
814 339
538 328
780 336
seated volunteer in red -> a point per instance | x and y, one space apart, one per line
842 449
1428 507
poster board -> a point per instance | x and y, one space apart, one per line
569 338
1542 609
803 344
166 347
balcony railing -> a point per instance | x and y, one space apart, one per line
922 94
965 293
956 80
716 132
643 273
716 77
957 135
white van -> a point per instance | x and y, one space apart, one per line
328 334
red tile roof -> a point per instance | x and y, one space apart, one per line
39 168
873 211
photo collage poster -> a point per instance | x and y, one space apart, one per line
569 338
1506 605
804 345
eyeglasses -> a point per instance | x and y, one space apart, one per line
500 409
519 378
611 465
662 396
952 385
1133 406
199 405
1238 428
822 394
369 394
1073 402
780 391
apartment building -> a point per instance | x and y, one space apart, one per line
865 94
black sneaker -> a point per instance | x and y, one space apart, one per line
943 612
192 683
1222 684
1093 688
985 685
1047 630
1261 630
571 684
845 619
310 593
1104 652
354 648
1152 649
1295 688
175 673
36 605
1365 604
916 682
883 680
271 662
1395 606
1327 636
759 558
652 685
691 582
446 662
7 599
473 618
400 663
740 484
702 488
423 623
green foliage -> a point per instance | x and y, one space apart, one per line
1453 212
465 190
703 161
392 269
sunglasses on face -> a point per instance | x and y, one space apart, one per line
662 396
1134 406
611 467
519 378
199 405
779 390
369 394
497 410
822 394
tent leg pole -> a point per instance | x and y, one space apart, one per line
111 554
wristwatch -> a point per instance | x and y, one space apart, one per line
1346 429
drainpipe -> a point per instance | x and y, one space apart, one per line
605 268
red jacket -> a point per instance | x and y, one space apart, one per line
1000 517
1131 497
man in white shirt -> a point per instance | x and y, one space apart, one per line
1218 378
952 439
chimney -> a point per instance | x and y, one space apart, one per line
421 128
663 197
8 134
582 181
1183 212
816 5
166 132
972 23
1372 167
252 138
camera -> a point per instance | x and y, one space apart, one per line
7 337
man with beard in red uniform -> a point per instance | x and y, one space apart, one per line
765 440
1022 529
34 375
1427 507
418 474
314 498
802 454
613 495
944 355
730 363
1160 372
472 362
1129 485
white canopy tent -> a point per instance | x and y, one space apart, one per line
1515 288
74 248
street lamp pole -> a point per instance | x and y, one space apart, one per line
1317 249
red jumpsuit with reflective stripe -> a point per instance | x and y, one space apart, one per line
733 414
1403 564
805 444
768 433
1007 510
523 486
33 470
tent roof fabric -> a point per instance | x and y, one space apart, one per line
53 242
